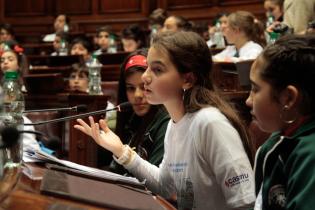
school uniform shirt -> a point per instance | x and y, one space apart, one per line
49 37
204 164
284 171
247 52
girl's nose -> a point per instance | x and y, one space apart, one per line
146 77
248 101
139 92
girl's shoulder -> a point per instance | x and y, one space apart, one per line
208 116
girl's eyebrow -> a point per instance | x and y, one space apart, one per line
157 62
253 83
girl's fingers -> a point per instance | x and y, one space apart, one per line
83 127
82 123
104 126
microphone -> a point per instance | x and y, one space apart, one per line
78 108
120 108
9 137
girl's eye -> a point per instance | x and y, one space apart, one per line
254 88
157 70
130 88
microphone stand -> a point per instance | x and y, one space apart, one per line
122 107
71 117
74 108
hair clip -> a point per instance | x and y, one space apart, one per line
136 60
18 49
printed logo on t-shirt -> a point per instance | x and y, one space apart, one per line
276 197
185 197
178 167
236 180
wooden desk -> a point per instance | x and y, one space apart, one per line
81 149
38 48
112 58
26 196
229 76
110 72
53 61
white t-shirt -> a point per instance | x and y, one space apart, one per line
49 37
249 51
204 163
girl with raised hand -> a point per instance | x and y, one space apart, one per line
206 164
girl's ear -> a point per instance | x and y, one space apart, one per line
290 96
189 80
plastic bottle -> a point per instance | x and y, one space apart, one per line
63 48
12 115
94 67
273 36
218 38
270 20
112 48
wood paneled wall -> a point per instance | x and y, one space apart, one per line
33 18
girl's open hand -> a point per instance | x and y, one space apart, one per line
104 137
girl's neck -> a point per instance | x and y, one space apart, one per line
241 42
176 110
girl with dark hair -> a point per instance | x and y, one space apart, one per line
81 46
282 100
246 35
6 33
144 126
133 37
274 8
61 23
13 59
177 23
206 164
157 18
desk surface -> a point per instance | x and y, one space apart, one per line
26 196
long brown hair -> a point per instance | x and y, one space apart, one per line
190 53
246 22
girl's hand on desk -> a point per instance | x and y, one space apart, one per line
105 137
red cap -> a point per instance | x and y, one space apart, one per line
136 60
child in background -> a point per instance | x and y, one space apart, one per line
81 46
274 8
13 59
282 101
61 23
79 82
102 40
6 33
156 20
79 79
60 39
133 38
176 23
206 164
245 33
